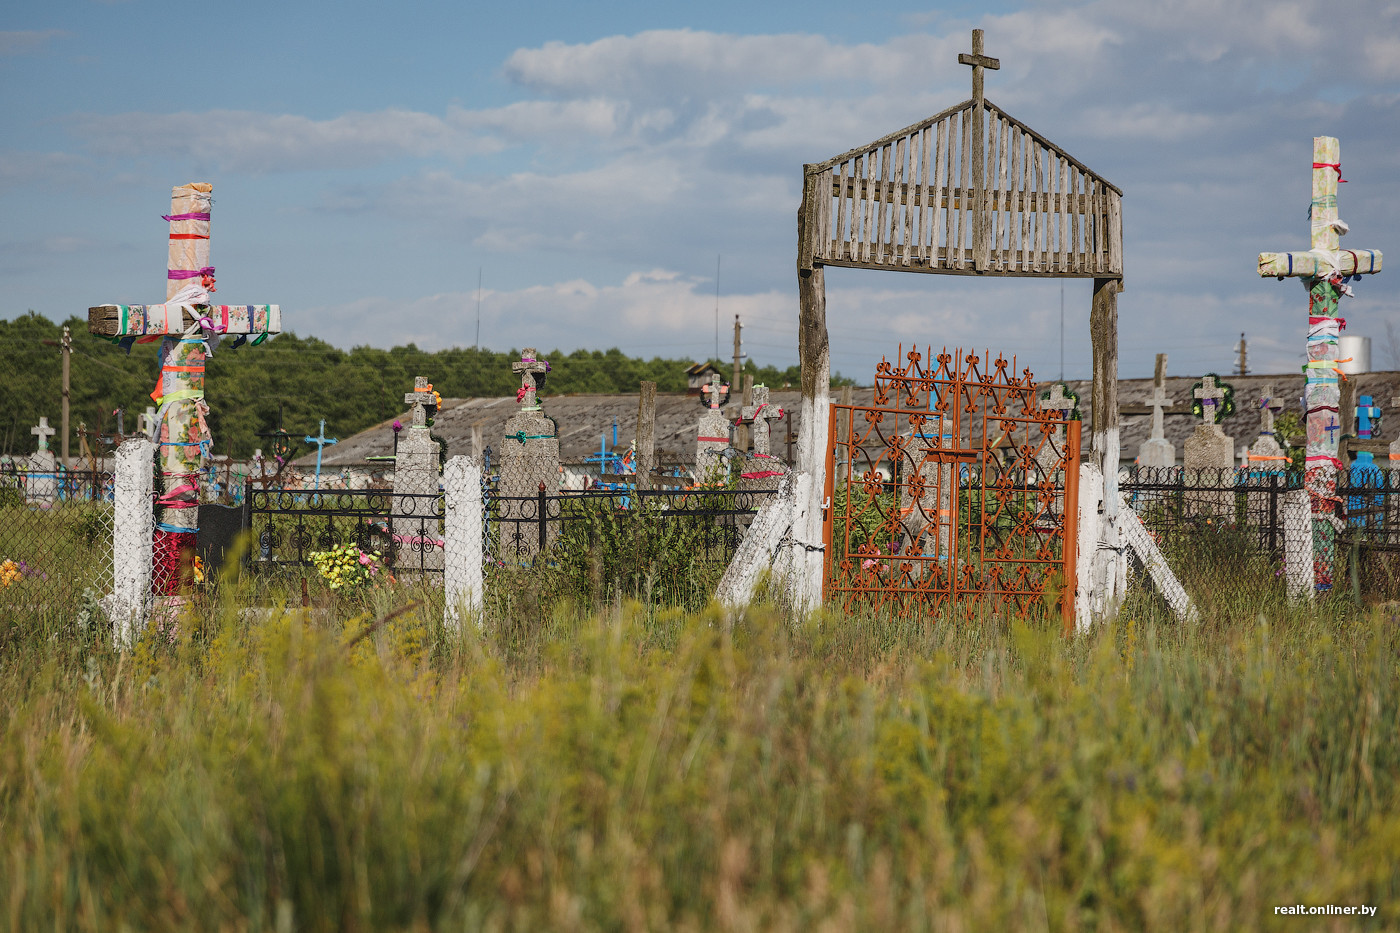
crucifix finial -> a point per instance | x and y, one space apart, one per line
978 61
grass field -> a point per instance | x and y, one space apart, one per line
622 767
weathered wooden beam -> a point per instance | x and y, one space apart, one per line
944 267
646 435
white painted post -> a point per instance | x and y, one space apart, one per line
1089 593
133 528
462 532
770 530
1298 544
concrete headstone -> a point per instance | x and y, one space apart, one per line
529 460
415 525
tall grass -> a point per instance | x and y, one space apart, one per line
633 767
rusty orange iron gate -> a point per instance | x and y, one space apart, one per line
955 488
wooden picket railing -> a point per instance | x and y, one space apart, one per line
906 202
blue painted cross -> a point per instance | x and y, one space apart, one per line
1368 416
1332 428
320 441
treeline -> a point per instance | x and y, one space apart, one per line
302 378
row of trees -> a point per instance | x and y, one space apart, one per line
302 378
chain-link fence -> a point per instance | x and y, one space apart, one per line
55 542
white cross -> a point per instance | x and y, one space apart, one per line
43 432
1266 411
715 390
1158 401
1210 395
531 372
420 398
759 414
1057 400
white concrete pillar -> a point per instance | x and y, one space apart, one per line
133 531
1298 544
462 539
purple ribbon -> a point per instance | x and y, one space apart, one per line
189 273
204 216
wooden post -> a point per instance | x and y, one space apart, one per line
646 435
1103 331
814 353
67 350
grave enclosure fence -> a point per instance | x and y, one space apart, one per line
1242 515
55 543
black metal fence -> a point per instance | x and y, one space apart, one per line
403 530
1173 501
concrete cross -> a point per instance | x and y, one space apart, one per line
715 390
43 432
420 398
1211 396
531 372
1266 410
320 441
1368 416
1158 401
1058 401
759 414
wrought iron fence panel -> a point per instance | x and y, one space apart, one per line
288 526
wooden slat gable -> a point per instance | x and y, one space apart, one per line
905 202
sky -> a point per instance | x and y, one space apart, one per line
621 174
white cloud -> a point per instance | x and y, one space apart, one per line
16 42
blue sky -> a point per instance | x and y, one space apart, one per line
593 160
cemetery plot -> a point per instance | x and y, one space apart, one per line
56 552
599 541
402 531
956 493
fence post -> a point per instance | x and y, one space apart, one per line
1298 544
133 532
462 541
541 505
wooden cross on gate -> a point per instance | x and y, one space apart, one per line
421 398
981 246
43 432
1210 396
532 375
715 390
760 414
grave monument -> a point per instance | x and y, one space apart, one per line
1157 452
713 437
414 526
529 463
41 481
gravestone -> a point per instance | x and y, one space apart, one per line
414 525
1209 454
1062 402
1157 452
529 461
713 437
761 470
41 483
1265 453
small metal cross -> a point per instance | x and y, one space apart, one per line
320 441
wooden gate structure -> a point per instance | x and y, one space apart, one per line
950 491
969 191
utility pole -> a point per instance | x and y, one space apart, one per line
66 347
1241 358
